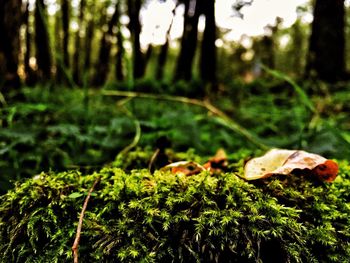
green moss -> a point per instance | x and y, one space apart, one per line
141 217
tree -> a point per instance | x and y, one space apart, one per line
326 57
208 52
65 27
42 42
29 72
77 45
10 22
119 72
163 54
189 39
105 49
134 7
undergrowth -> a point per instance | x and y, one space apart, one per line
137 216
55 128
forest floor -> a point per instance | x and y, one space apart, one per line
60 128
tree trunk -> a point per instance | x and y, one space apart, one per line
208 52
162 57
10 22
77 45
42 42
88 44
119 74
120 54
189 40
134 7
105 49
30 75
326 58
65 27
163 54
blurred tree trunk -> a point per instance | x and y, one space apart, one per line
162 57
65 27
42 42
102 68
326 57
208 52
189 39
77 45
88 44
163 54
298 47
62 42
30 75
119 73
10 22
134 7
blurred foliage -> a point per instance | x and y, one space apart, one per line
45 128
141 217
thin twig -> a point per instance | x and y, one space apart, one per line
153 158
80 224
224 119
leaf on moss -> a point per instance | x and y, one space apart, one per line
184 167
217 163
75 195
280 161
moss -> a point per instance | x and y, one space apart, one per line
141 217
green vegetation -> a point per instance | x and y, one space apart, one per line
141 217
64 129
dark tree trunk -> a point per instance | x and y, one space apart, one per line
163 54
189 40
77 45
134 7
88 44
30 76
43 54
65 27
326 58
162 57
102 68
120 54
298 44
10 22
208 52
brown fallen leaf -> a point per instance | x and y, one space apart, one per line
184 167
280 161
217 163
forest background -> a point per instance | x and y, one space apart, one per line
65 64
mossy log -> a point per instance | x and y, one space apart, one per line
137 216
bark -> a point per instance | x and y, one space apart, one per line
65 27
88 44
42 43
208 52
102 68
10 22
189 40
30 75
120 54
77 45
163 54
162 57
326 57
134 7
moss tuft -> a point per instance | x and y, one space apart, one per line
141 217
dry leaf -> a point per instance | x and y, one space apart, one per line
217 163
184 167
279 161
